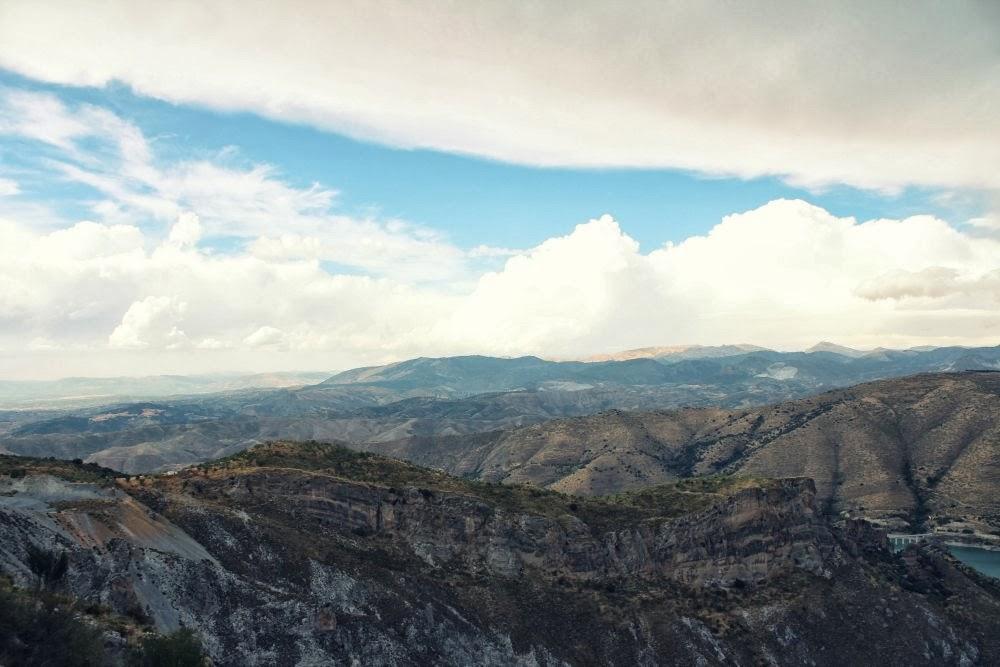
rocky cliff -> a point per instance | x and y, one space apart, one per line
310 554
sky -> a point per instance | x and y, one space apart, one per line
203 187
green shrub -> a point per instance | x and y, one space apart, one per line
34 630
177 649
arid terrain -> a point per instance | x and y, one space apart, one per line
307 554
918 452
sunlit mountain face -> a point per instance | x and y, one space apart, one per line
499 333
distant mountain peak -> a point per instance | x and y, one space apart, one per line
827 346
678 352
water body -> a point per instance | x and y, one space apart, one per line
984 560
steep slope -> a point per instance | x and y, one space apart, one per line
913 450
311 554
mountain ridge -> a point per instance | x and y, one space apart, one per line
429 397
903 451
304 552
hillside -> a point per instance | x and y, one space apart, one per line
311 554
922 450
448 396
725 370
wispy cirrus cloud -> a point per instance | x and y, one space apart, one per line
94 147
8 187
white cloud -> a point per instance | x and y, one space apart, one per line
493 251
212 344
186 231
41 117
987 222
151 321
281 222
934 282
8 188
266 337
785 274
879 95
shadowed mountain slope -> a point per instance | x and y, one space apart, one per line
314 554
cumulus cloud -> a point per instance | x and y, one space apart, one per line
934 281
878 95
186 231
152 320
785 275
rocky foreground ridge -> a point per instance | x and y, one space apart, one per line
310 554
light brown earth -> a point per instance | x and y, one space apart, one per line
924 450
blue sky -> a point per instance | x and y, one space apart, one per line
473 200
311 186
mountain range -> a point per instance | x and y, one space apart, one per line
711 510
447 396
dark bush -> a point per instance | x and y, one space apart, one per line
181 648
47 566
35 631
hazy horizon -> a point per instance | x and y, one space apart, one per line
237 373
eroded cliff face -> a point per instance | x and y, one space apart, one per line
275 561
750 535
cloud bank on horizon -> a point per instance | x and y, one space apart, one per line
882 98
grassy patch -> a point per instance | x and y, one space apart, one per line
71 471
